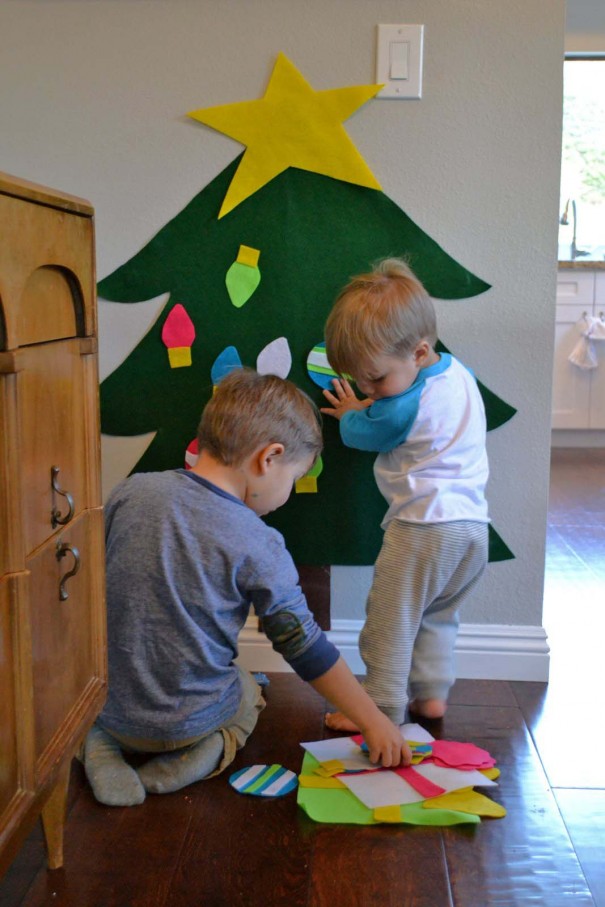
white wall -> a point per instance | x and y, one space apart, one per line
93 96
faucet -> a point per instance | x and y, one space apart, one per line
564 221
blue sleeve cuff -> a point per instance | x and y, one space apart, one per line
316 660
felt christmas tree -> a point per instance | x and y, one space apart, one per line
254 262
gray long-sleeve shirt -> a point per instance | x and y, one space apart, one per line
185 563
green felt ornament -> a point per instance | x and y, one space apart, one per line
243 276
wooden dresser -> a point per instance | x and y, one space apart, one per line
52 610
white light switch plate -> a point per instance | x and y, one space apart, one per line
399 60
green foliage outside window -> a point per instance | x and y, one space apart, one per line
583 152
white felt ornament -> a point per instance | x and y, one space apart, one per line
275 359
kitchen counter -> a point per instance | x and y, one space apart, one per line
594 261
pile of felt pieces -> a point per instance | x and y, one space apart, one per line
338 783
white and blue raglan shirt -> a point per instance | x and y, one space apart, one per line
432 462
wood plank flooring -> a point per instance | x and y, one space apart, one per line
207 845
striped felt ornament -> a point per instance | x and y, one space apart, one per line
319 369
264 780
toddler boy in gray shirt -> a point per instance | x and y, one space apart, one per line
187 557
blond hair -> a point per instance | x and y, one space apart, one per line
249 411
386 312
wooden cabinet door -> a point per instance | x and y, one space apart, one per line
67 634
58 428
11 542
46 272
9 770
16 780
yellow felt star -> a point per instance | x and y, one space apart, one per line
291 126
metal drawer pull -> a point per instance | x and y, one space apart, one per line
62 549
55 515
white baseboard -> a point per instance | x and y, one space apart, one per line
483 651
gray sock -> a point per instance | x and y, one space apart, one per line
113 781
172 771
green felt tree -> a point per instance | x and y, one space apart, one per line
312 233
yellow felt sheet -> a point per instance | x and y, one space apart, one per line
466 800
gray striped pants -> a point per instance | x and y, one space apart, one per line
423 573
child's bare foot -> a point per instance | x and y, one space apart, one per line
428 708
336 721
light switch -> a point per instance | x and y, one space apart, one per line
399 60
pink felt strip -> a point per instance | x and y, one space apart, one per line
420 784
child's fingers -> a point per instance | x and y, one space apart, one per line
383 755
331 398
406 754
339 386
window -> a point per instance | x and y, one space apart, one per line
583 158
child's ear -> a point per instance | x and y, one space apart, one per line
421 352
267 456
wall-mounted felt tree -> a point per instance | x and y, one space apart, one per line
301 197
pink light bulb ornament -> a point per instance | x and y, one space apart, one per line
178 334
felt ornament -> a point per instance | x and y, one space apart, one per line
319 369
178 334
307 484
243 276
191 454
275 359
225 363
264 780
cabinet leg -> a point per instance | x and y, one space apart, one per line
53 819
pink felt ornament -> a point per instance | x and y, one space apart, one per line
178 334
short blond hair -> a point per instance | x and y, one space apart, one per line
386 312
249 411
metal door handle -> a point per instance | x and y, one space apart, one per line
64 548
55 515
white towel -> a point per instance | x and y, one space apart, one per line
584 354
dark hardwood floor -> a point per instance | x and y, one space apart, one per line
207 845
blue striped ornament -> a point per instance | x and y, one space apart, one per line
319 369
264 780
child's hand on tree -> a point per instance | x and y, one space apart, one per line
343 399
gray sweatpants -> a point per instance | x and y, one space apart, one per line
423 573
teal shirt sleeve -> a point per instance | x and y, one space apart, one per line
385 424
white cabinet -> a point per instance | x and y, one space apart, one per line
578 394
